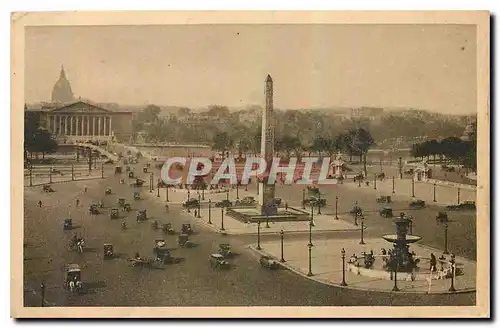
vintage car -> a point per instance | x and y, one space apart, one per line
145 169
313 191
94 209
118 169
137 196
225 250
217 261
268 263
121 202
141 215
107 191
246 201
191 203
186 229
48 188
386 212
68 224
122 181
224 203
358 177
73 274
108 250
467 205
384 199
131 175
114 213
417 203
139 183
183 241
277 202
127 207
442 217
167 228
127 168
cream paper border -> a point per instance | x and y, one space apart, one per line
479 18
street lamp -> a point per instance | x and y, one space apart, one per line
393 185
458 196
227 195
310 234
359 182
151 182
222 218
452 262
158 190
336 207
73 172
309 274
42 288
434 200
304 198
282 235
203 192
258 235
199 206
31 175
343 283
395 264
237 190
209 211
189 194
413 186
362 241
166 194
446 239
375 181
319 204
312 214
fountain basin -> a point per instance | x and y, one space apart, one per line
409 239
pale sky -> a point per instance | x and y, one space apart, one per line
425 67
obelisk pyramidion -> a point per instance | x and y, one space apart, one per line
266 191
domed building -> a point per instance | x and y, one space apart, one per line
61 92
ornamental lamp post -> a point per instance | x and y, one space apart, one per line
237 190
282 236
452 262
343 283
319 204
158 189
199 206
209 211
151 182
458 196
73 172
166 194
310 234
434 199
375 181
393 185
304 198
102 171
396 268
362 241
189 194
446 239
413 186
31 175
227 195
222 218
336 207
203 192
309 274
258 235
312 214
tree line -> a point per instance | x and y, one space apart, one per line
36 139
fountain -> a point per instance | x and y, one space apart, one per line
402 259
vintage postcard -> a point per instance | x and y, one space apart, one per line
250 164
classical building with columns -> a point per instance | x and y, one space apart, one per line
83 121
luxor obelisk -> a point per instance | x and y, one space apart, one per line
266 191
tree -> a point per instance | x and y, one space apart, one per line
290 144
361 143
44 142
222 142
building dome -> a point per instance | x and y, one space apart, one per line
62 89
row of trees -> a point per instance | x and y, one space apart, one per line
354 142
36 139
454 150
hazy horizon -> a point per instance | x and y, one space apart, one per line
431 67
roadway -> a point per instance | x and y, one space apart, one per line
190 283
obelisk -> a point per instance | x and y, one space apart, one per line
266 191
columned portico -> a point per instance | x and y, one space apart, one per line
81 122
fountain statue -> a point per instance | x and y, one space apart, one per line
401 257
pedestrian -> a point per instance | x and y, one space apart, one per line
85 189
39 203
77 202
195 212
286 206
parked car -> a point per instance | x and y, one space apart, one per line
191 203
217 261
467 205
224 203
268 262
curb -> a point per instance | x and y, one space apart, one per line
58 182
322 281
